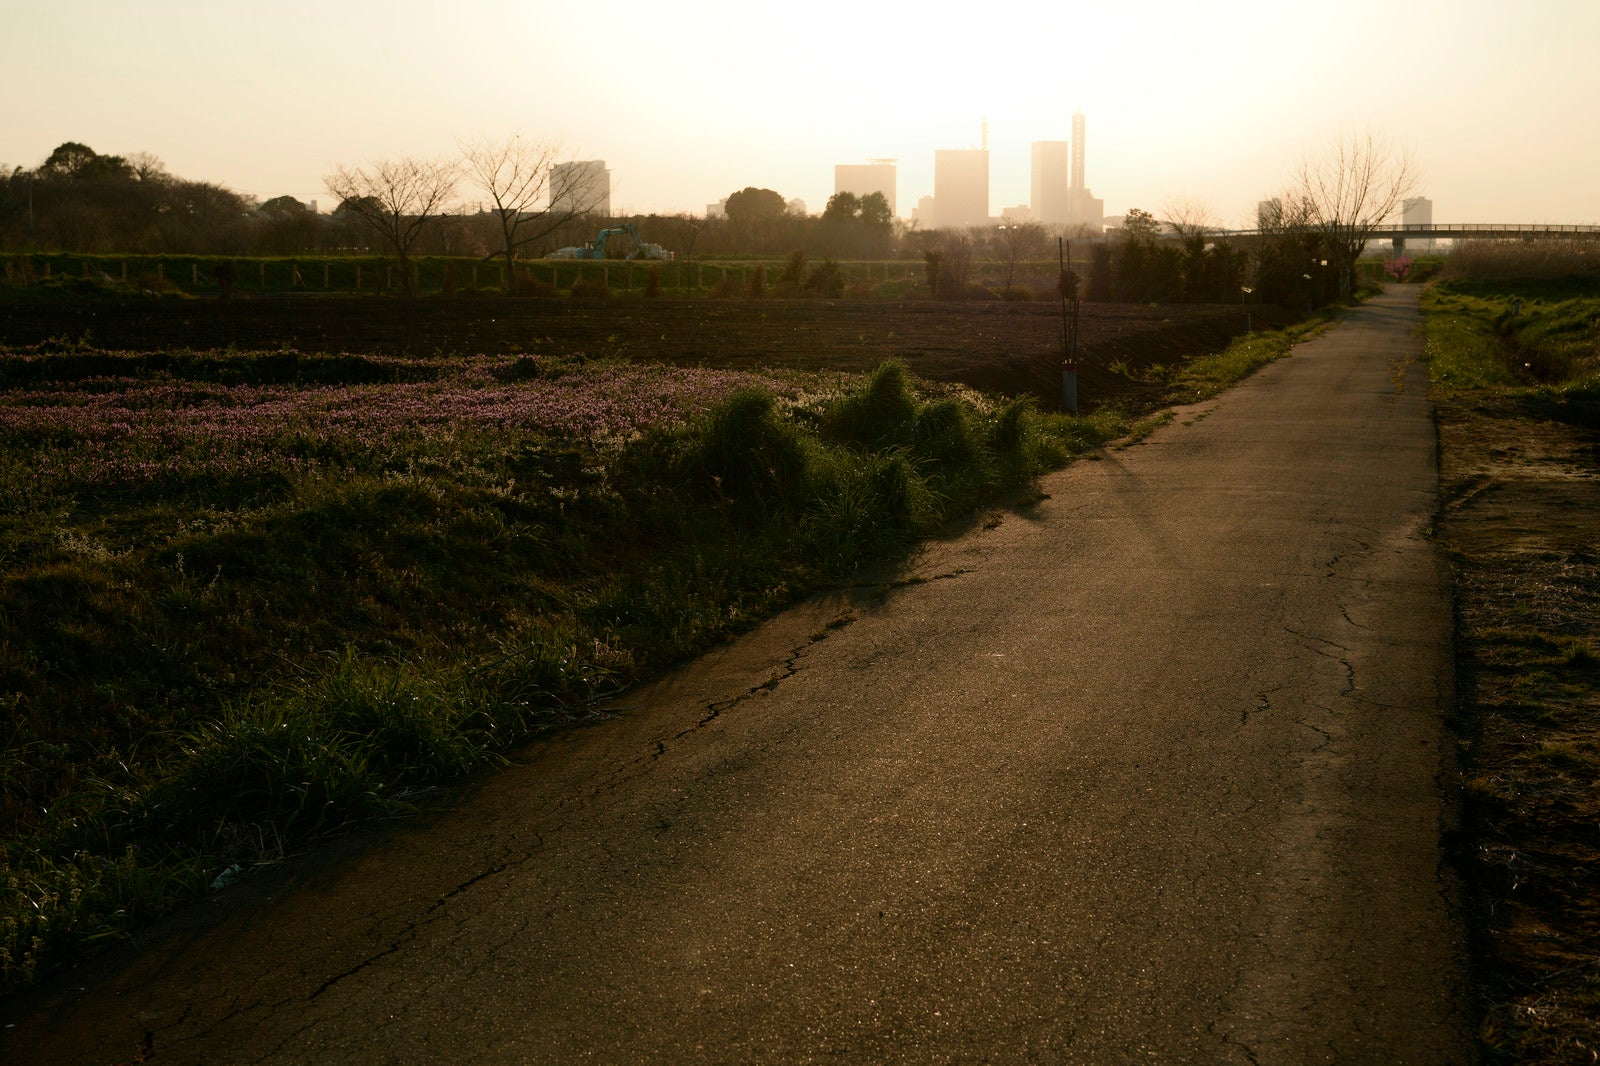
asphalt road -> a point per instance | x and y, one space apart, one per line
1153 770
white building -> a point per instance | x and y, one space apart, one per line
862 179
582 188
1417 211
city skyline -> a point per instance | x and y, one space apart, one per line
1216 107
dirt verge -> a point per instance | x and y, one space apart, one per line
1521 481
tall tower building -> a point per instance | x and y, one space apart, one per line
1077 150
1049 198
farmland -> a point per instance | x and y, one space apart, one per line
1002 347
277 564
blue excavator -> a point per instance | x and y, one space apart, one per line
596 249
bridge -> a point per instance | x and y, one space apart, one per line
1457 231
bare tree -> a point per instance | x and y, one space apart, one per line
531 195
1017 243
1348 192
397 198
1188 217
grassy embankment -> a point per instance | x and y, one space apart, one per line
251 597
1513 335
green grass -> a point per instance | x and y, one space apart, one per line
1482 339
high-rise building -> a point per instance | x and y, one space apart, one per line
582 188
1417 211
961 187
1077 150
1049 199
1083 207
861 179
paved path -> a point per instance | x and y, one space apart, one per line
1149 772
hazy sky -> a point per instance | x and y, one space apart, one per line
689 100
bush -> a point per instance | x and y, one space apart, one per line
727 286
880 416
652 282
826 279
758 282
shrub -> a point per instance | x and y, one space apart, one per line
881 415
727 286
1017 293
652 282
746 455
758 282
826 279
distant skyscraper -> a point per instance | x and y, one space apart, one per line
1417 211
582 188
1077 150
1050 170
961 187
1083 207
860 179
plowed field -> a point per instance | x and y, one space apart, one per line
1010 348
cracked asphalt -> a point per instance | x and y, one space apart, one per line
1155 769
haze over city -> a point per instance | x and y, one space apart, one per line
1213 104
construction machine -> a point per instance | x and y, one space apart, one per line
596 249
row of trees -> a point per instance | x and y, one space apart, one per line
1309 237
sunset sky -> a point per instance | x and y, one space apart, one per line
1212 103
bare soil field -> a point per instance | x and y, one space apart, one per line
1008 348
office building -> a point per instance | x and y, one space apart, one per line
862 179
961 187
582 188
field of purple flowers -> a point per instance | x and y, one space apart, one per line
129 431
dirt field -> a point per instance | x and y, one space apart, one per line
1010 348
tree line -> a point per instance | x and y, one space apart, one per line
510 199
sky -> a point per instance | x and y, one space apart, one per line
1188 106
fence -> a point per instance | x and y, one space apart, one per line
431 274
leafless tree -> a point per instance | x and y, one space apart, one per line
1189 217
1348 192
530 196
1016 243
396 198
684 230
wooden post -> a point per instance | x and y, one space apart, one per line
324 273
194 275
500 273
161 271
124 270
699 276
416 278
474 277
261 273
358 275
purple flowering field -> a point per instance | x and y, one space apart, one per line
128 431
